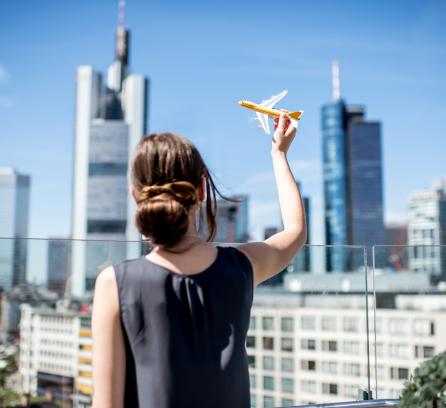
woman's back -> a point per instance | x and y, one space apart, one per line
185 334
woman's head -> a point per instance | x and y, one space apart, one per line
169 180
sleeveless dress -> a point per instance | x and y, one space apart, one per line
185 335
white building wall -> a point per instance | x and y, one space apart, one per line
328 349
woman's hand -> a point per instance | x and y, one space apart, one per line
284 133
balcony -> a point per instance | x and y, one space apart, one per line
316 336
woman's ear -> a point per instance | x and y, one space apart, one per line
132 192
202 189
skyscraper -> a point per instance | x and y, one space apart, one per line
59 255
353 188
110 120
232 220
14 214
426 231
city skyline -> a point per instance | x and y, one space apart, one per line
183 81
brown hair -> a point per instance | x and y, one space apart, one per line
166 172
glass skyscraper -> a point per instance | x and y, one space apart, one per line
14 215
352 173
111 118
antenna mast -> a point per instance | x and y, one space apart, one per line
121 15
336 83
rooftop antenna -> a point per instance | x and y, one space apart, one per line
121 15
336 83
122 36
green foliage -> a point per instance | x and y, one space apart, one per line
9 398
427 388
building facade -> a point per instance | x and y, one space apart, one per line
49 351
312 348
59 263
14 215
110 120
427 232
353 181
232 220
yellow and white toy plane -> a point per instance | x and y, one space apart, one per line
265 110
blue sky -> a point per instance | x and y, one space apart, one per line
202 57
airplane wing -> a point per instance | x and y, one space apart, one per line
263 119
269 103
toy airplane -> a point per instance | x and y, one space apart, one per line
264 109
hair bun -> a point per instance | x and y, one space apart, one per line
163 211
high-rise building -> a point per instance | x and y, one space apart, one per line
232 220
427 231
59 259
110 120
14 214
353 185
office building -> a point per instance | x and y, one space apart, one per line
14 215
427 231
59 263
352 173
110 120
396 257
49 351
232 220
312 348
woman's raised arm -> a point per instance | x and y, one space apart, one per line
108 344
272 255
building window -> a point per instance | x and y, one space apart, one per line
399 373
308 365
286 344
329 345
287 365
398 326
268 383
329 388
308 386
268 363
329 323
268 402
352 369
351 324
252 361
287 324
398 350
287 385
329 367
267 323
351 347
351 391
428 352
250 342
308 344
252 381
287 402
424 327
268 343
307 322
253 401
252 323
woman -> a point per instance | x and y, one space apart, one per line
169 328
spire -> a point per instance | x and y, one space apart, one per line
122 36
336 83
121 15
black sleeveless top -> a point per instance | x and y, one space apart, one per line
185 335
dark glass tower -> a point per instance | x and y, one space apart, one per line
352 173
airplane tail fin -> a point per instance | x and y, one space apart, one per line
295 115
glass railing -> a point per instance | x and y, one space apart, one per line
311 338
409 324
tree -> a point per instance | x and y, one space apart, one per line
427 388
